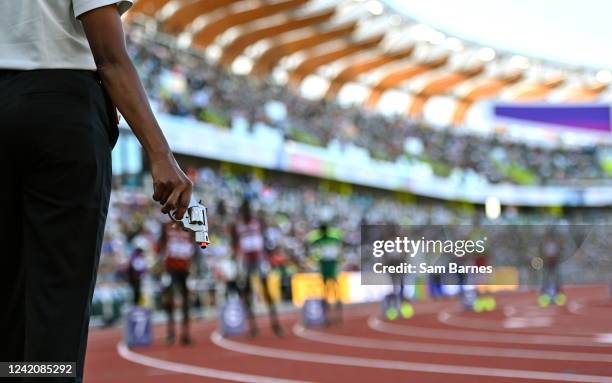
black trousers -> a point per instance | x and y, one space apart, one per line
178 281
56 136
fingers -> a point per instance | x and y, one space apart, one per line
162 191
158 191
171 202
183 204
167 191
178 200
172 188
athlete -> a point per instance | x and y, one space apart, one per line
177 247
325 246
397 302
484 301
550 251
249 250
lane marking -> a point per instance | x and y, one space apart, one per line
470 336
453 318
509 310
579 306
603 338
437 348
310 357
527 322
532 317
189 369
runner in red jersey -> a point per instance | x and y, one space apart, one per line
177 247
248 244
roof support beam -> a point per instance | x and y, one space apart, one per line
439 86
311 64
147 7
236 47
272 56
394 79
487 88
536 92
188 12
351 72
209 33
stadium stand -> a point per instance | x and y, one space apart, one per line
184 83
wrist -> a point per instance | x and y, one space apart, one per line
160 155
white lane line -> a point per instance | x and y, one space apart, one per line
603 338
527 322
453 318
189 369
575 307
471 336
584 307
437 348
310 357
533 318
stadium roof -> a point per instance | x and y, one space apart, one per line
364 52
576 33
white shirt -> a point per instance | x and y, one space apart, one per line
46 34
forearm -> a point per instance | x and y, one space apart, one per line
121 81
104 33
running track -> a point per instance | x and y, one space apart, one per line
518 342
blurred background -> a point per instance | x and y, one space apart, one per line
355 112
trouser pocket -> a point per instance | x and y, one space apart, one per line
113 117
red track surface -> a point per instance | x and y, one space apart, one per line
518 342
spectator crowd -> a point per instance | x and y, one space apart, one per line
183 83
